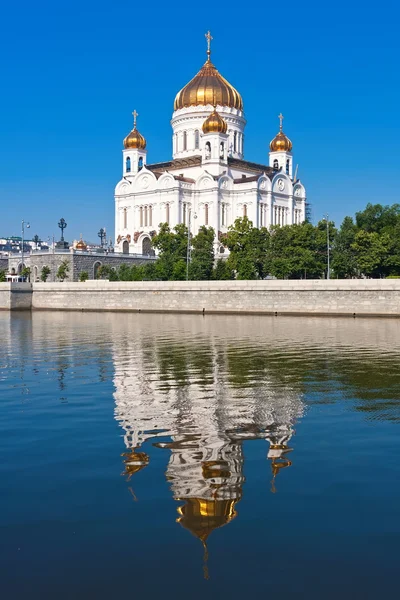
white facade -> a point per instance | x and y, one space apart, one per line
208 177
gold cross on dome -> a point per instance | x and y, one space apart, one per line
135 115
281 117
209 38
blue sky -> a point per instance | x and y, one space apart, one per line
72 73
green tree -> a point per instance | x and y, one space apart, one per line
107 272
376 218
222 270
63 270
45 272
202 259
172 249
26 273
2 276
371 252
344 263
297 252
248 247
83 276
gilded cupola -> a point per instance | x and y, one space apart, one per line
208 87
281 143
135 139
81 245
215 123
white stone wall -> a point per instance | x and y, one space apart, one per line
316 297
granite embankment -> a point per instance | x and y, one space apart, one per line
360 297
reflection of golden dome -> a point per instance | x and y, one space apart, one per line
81 245
201 516
208 87
135 139
135 462
281 142
215 123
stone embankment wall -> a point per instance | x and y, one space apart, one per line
15 296
368 297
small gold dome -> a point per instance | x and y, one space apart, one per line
81 245
135 462
208 87
215 123
135 139
281 142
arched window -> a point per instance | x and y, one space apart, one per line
196 139
146 246
223 213
208 150
150 216
125 247
287 166
167 213
206 214
235 141
221 150
276 164
141 216
140 163
125 218
128 164
184 140
96 268
245 210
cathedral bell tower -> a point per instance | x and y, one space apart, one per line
134 152
214 142
280 156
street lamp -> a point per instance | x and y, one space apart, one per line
23 225
62 225
102 235
328 275
188 243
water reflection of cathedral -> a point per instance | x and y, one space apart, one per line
189 397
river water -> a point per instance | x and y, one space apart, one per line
198 457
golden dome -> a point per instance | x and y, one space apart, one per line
81 245
201 516
281 142
134 462
135 139
208 87
215 123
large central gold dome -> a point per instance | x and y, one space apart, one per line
208 87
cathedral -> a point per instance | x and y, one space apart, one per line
208 182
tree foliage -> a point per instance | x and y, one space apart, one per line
45 272
63 270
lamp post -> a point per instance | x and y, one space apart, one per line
188 243
102 235
328 275
23 225
62 225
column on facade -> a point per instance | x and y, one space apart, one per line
291 210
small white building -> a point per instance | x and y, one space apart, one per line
208 181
